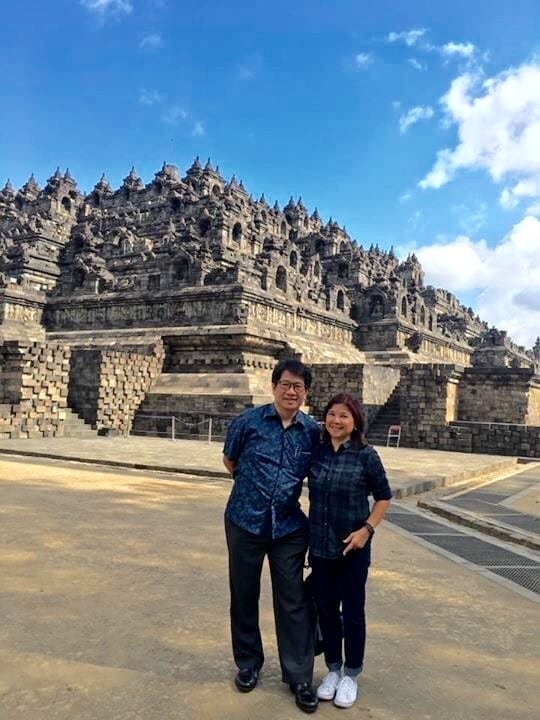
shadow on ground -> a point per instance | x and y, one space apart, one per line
114 604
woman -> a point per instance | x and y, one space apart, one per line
344 472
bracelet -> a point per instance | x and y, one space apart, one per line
369 527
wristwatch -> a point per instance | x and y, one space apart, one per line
369 527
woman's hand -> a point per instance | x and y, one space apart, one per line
356 540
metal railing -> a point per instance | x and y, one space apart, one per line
175 427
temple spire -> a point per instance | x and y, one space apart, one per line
8 190
103 184
30 187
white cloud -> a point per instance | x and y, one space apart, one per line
506 277
104 6
415 38
498 123
198 129
249 67
151 42
409 37
174 114
416 64
529 299
413 116
456 265
471 218
362 60
534 209
507 200
415 221
465 50
246 72
405 197
529 188
149 97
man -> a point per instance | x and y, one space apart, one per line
267 450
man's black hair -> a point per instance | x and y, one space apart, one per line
295 367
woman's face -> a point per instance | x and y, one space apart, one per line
339 422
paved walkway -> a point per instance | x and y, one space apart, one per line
114 607
492 507
527 501
410 471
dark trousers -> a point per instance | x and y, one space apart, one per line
341 584
286 557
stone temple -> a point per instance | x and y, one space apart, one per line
176 298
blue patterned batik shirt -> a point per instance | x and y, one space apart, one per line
271 462
339 486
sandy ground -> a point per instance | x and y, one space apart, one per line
410 470
114 606
527 501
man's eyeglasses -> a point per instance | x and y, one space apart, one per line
296 386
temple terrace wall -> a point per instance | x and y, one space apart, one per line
428 403
372 384
106 386
495 438
496 395
442 406
533 410
433 397
33 389
445 406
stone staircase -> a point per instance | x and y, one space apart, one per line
388 415
194 398
322 350
75 427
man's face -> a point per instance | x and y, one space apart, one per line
289 393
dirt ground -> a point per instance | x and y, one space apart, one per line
527 501
114 606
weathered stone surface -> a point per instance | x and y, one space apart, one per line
372 384
191 276
198 251
448 407
108 385
33 388
495 394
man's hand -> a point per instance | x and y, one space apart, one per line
229 464
356 540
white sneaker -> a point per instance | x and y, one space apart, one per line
328 686
346 692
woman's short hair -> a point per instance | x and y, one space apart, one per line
295 367
352 403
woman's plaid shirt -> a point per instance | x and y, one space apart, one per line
339 486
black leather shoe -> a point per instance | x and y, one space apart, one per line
305 697
246 680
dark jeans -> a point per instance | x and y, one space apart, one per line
341 583
286 557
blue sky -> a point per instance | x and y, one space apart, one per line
415 124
